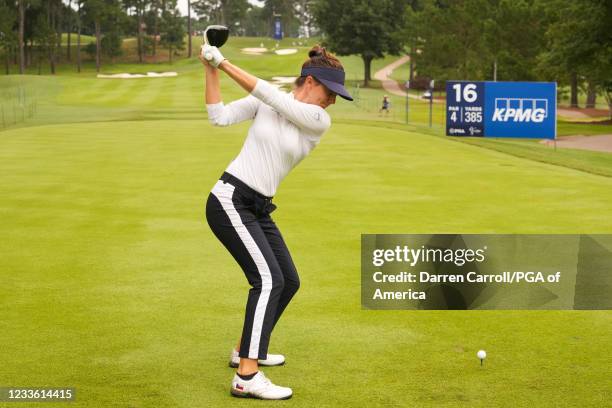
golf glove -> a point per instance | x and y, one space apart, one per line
212 55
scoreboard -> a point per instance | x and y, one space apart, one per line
501 109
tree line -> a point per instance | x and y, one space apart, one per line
567 41
33 31
246 19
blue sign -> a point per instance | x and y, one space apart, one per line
278 32
501 109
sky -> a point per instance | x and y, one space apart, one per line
182 4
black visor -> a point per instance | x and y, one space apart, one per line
332 78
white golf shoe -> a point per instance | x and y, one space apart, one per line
271 360
259 387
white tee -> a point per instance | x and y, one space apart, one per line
283 132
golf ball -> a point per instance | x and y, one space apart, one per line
482 354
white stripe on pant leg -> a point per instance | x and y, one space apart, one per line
224 192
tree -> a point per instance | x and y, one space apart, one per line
99 12
173 30
69 26
44 36
514 37
303 10
288 13
53 31
225 12
254 22
111 44
211 10
79 26
22 6
189 27
139 7
57 24
597 69
113 23
579 43
475 39
152 22
94 11
8 39
413 32
450 41
368 28
31 17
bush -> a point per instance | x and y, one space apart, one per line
90 49
147 45
111 45
421 83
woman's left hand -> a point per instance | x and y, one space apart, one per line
204 61
214 55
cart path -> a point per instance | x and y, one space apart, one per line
390 85
583 113
599 143
571 114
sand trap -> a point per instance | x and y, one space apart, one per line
125 75
283 80
254 51
286 51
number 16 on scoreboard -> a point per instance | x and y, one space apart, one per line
465 108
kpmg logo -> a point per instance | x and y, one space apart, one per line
520 110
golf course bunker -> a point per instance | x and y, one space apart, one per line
125 75
282 82
254 51
286 51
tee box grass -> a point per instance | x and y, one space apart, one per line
114 284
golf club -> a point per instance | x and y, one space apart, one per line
215 35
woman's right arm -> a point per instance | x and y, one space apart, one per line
213 89
225 115
304 115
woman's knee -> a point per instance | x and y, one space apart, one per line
292 284
269 279
275 279
278 282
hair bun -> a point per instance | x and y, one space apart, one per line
316 51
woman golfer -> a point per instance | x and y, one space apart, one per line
285 129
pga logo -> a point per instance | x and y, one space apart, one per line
453 131
520 110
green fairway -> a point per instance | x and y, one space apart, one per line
114 283
85 39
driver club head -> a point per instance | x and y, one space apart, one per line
216 35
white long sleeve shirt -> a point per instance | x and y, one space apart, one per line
284 131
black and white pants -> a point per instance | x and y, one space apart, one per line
240 218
